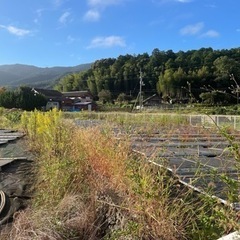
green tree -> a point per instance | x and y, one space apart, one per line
92 85
105 96
215 97
224 65
122 97
26 99
8 99
166 83
22 98
164 72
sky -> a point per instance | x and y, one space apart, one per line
47 33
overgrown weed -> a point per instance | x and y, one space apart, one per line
79 169
10 118
231 184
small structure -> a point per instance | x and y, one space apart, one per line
77 101
54 97
151 101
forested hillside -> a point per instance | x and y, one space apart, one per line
199 75
15 75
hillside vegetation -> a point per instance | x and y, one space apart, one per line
199 75
16 75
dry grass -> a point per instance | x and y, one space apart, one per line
71 218
91 186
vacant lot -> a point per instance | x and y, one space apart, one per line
120 176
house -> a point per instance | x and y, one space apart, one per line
79 106
77 101
49 94
67 101
83 96
54 97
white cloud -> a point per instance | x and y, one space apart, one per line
71 39
39 13
211 34
57 3
64 17
107 42
192 29
197 29
92 15
97 6
16 31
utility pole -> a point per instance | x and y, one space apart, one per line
140 91
190 91
139 98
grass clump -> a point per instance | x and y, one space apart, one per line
10 118
90 185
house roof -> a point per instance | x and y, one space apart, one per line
49 93
81 94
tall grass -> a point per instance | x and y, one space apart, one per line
130 117
90 185
9 118
135 122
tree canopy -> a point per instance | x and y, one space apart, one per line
174 75
23 98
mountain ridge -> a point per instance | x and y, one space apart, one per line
15 75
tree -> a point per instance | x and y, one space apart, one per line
164 71
122 97
8 99
166 83
92 85
80 81
26 99
215 97
22 98
105 96
223 65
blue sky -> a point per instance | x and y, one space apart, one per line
48 33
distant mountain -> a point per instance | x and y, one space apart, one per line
15 75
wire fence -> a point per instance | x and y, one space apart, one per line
231 121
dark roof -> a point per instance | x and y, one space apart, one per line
48 92
81 94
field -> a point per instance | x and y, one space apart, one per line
129 176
